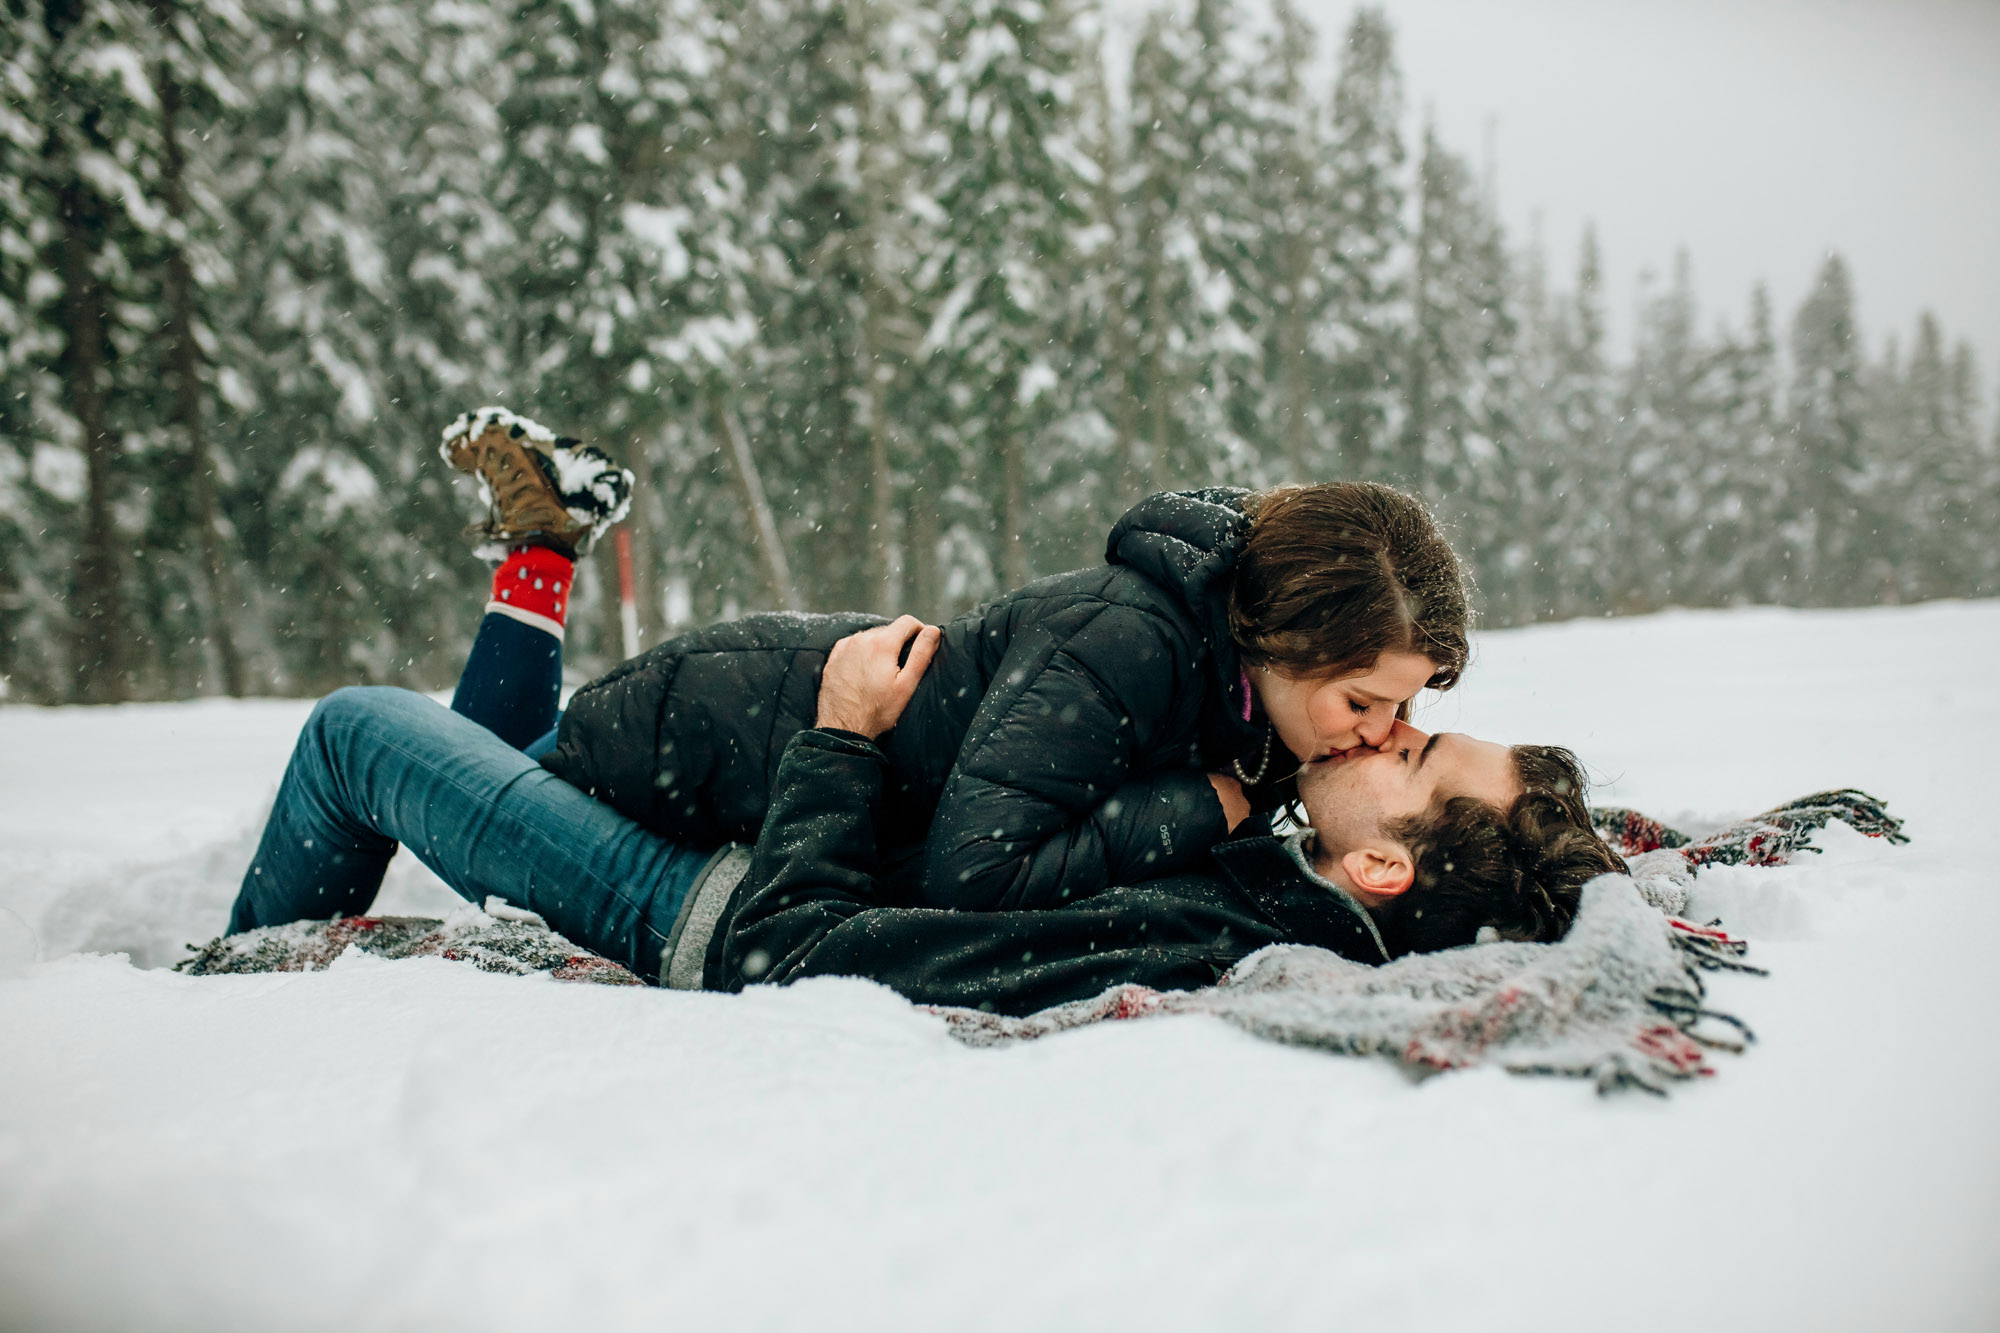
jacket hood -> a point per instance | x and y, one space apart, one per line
1187 542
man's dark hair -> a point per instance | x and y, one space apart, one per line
1335 575
1520 870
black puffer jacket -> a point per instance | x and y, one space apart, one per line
1058 743
810 905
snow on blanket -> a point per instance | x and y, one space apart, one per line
500 938
1618 1000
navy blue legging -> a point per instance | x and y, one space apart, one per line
513 683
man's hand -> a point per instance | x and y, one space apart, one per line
863 689
1235 805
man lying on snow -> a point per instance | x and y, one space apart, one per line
1421 843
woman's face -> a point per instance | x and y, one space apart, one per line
1317 716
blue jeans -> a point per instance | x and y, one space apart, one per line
375 767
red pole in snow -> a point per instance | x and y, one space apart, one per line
628 607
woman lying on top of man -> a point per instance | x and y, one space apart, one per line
1092 732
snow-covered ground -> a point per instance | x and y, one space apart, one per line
418 1145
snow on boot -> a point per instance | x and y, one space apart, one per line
540 488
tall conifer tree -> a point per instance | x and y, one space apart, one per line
1295 253
1007 196
1191 158
1826 407
1460 444
105 113
1366 191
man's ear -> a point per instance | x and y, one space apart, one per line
1383 870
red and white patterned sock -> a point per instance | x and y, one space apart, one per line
533 586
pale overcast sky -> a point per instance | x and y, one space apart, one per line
1758 133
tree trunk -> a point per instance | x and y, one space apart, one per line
1013 496
1293 381
1159 406
1013 513
102 672
922 582
877 566
1124 405
1412 468
647 564
874 368
1120 352
184 366
750 490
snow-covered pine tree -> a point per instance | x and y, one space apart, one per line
1003 195
1293 255
1361 333
1986 501
625 187
191 567
40 478
1658 529
1187 183
1220 196
1092 442
1825 410
1965 514
1888 444
710 470
578 281
829 186
1460 445
1540 472
1571 490
1975 513
355 330
1934 497
1745 546
110 233
98 115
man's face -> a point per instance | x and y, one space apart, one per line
1348 797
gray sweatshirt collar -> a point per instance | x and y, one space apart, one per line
1299 847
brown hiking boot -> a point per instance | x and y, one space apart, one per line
540 488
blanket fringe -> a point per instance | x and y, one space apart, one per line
1711 948
1686 1010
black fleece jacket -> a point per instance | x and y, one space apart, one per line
1058 743
810 905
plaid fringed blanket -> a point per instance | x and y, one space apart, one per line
498 939
1663 860
1619 1000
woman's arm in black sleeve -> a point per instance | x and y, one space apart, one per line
1041 808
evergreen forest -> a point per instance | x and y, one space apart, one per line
889 304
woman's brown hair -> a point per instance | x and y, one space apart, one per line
1333 576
